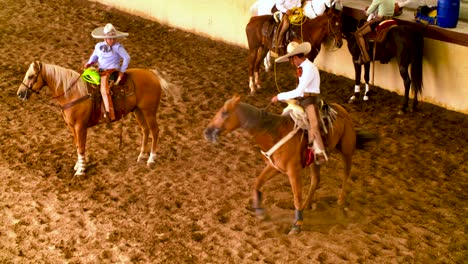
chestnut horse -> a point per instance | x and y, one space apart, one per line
79 109
404 43
268 129
260 35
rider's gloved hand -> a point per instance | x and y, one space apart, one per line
87 65
119 78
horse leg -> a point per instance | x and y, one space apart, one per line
407 82
415 101
145 131
367 91
267 62
268 172
314 182
296 184
346 172
152 122
80 133
261 53
357 83
252 57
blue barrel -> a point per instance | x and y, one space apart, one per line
447 13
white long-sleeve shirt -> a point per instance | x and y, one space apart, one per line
285 5
382 8
309 82
109 57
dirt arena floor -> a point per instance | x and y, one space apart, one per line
407 197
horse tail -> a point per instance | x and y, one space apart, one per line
363 137
167 87
416 64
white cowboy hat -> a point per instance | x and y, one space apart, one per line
108 31
295 48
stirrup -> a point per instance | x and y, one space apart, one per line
319 152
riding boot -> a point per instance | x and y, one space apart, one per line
364 58
315 138
282 28
106 98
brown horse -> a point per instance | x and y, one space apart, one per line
142 93
260 33
268 129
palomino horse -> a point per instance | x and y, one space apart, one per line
268 129
142 96
405 43
260 33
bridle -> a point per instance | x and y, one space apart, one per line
330 30
30 87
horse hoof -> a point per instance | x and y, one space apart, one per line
352 99
79 173
401 112
365 98
260 213
295 229
151 165
142 158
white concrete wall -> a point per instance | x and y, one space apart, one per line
445 65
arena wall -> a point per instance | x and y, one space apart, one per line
445 65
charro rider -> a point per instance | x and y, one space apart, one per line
110 55
307 91
378 11
284 8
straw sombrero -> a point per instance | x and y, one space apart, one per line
295 48
108 31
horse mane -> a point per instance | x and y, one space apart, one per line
254 117
65 78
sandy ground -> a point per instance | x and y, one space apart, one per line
406 203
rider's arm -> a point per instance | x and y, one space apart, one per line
125 58
306 80
280 5
94 57
373 7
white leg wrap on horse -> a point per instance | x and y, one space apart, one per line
151 158
251 84
357 88
266 62
365 98
257 82
80 165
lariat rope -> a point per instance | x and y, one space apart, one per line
297 19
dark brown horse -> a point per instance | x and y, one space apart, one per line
268 129
402 42
142 96
260 33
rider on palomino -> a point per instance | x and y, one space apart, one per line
378 11
108 54
307 91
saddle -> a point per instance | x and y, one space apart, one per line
118 93
378 36
327 116
269 31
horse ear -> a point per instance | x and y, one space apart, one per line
37 66
236 99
